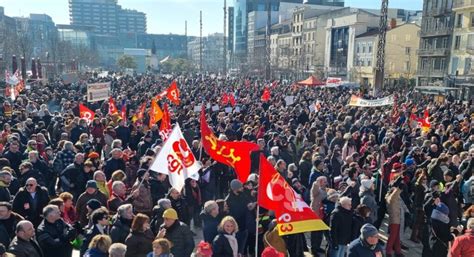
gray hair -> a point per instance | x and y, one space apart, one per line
49 209
68 145
292 167
98 173
116 184
345 199
115 142
209 206
123 208
470 223
117 250
164 201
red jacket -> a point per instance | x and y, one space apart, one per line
463 246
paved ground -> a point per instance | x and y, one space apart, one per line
413 251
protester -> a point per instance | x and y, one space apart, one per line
117 250
341 227
122 223
225 244
464 245
139 241
367 245
30 201
98 246
24 244
82 203
161 248
210 219
8 223
99 226
177 232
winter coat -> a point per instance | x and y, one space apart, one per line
94 252
91 233
305 169
112 165
238 208
115 201
120 230
368 198
317 196
357 223
139 244
82 202
450 198
72 179
394 205
35 210
22 248
441 236
182 239
209 228
52 237
179 205
143 202
157 219
359 248
271 238
8 227
5 195
463 246
63 159
341 226
221 247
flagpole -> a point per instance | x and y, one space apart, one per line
256 229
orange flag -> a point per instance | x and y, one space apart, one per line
86 113
233 154
173 93
156 113
165 127
292 212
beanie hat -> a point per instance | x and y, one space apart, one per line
441 207
448 173
170 214
433 183
91 184
366 184
235 184
409 162
271 252
204 249
396 167
368 230
93 204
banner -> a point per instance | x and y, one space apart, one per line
233 154
358 101
292 212
333 81
176 160
98 92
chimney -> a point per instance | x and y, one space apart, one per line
393 23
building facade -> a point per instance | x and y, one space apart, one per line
8 44
212 52
435 42
106 16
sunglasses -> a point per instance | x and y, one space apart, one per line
30 185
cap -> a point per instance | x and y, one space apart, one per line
204 249
434 183
368 230
91 184
93 204
170 214
235 184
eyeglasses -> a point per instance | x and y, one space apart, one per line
30 185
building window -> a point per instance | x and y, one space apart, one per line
459 21
363 49
369 63
407 66
370 49
407 50
457 42
472 19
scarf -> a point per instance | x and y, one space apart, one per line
233 244
437 215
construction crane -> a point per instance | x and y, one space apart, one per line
380 67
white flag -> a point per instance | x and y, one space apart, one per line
176 160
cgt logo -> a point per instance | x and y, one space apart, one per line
182 157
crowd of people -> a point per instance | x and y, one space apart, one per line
66 184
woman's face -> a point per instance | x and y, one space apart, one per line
146 226
157 250
229 227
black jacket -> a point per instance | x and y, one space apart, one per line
8 227
22 248
5 195
91 233
221 247
180 235
139 244
53 238
209 228
341 226
238 208
36 205
120 230
112 165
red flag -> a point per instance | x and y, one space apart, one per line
156 113
425 122
165 127
266 95
173 93
112 107
20 86
231 99
292 213
86 113
224 99
233 154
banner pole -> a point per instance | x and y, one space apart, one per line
256 229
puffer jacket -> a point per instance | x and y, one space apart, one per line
139 244
394 205
463 245
359 248
22 248
182 239
120 230
51 238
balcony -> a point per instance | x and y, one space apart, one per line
440 11
435 32
432 73
433 52
461 4
470 50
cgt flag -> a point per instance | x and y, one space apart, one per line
112 107
292 212
165 127
86 113
233 154
173 93
176 160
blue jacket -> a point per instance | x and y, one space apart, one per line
359 248
94 252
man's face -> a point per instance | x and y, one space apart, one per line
168 222
128 214
28 231
91 190
32 157
7 179
14 147
4 213
79 159
31 186
372 240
